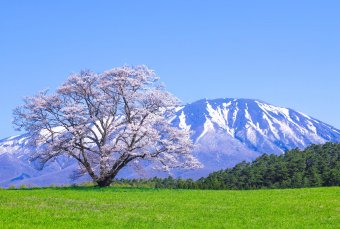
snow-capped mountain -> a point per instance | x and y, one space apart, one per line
262 127
226 131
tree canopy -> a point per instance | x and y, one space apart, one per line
106 121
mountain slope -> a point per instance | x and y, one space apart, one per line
226 131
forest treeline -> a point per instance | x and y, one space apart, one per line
317 165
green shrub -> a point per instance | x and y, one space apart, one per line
12 187
23 186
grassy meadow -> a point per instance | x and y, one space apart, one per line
160 208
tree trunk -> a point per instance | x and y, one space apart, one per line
104 182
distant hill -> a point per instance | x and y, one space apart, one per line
317 165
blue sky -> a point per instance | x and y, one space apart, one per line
284 52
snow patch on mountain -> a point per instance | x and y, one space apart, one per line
182 123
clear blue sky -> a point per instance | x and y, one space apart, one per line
284 52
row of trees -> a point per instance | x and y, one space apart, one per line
156 182
317 165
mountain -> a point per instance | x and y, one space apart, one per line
225 132
262 127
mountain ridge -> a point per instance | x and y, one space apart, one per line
225 113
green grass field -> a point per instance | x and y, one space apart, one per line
150 208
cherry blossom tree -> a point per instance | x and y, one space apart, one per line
107 121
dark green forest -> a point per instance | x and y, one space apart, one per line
316 166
